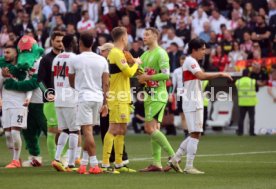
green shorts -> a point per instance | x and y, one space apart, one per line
49 111
154 110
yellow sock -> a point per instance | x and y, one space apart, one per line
108 143
119 142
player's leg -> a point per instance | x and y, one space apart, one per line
52 129
73 137
184 125
195 126
153 128
110 135
154 112
18 121
123 117
62 139
31 136
104 122
119 142
9 141
79 150
6 123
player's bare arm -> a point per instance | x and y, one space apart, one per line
72 80
208 76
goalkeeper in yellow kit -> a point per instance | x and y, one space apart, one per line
119 100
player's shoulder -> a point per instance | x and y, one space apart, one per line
190 60
115 51
160 50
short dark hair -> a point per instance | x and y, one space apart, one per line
195 44
118 32
245 72
174 44
67 41
56 34
86 38
84 12
153 30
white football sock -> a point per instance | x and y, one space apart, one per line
9 141
182 149
191 151
73 144
78 153
17 144
85 157
93 161
62 139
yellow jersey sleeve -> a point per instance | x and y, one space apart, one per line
117 56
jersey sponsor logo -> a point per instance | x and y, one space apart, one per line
61 71
123 116
188 76
150 83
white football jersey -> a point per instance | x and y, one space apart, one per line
193 96
65 96
11 98
88 76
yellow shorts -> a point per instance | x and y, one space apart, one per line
119 113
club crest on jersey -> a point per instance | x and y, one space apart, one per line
193 66
123 116
123 61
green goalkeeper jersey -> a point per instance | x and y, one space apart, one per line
156 62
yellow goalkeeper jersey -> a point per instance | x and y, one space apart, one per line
120 72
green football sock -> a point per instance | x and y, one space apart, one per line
156 153
51 145
161 139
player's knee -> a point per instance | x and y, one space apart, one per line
195 135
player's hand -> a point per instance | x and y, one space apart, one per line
143 78
129 58
26 102
274 100
104 110
138 60
6 72
51 97
226 75
170 98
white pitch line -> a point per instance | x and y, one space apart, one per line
249 162
215 155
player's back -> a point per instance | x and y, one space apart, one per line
119 82
89 69
65 95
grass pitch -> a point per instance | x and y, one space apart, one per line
230 162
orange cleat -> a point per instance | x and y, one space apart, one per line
14 164
82 169
95 170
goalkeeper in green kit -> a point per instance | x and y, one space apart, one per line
155 63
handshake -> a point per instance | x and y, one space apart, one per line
131 60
